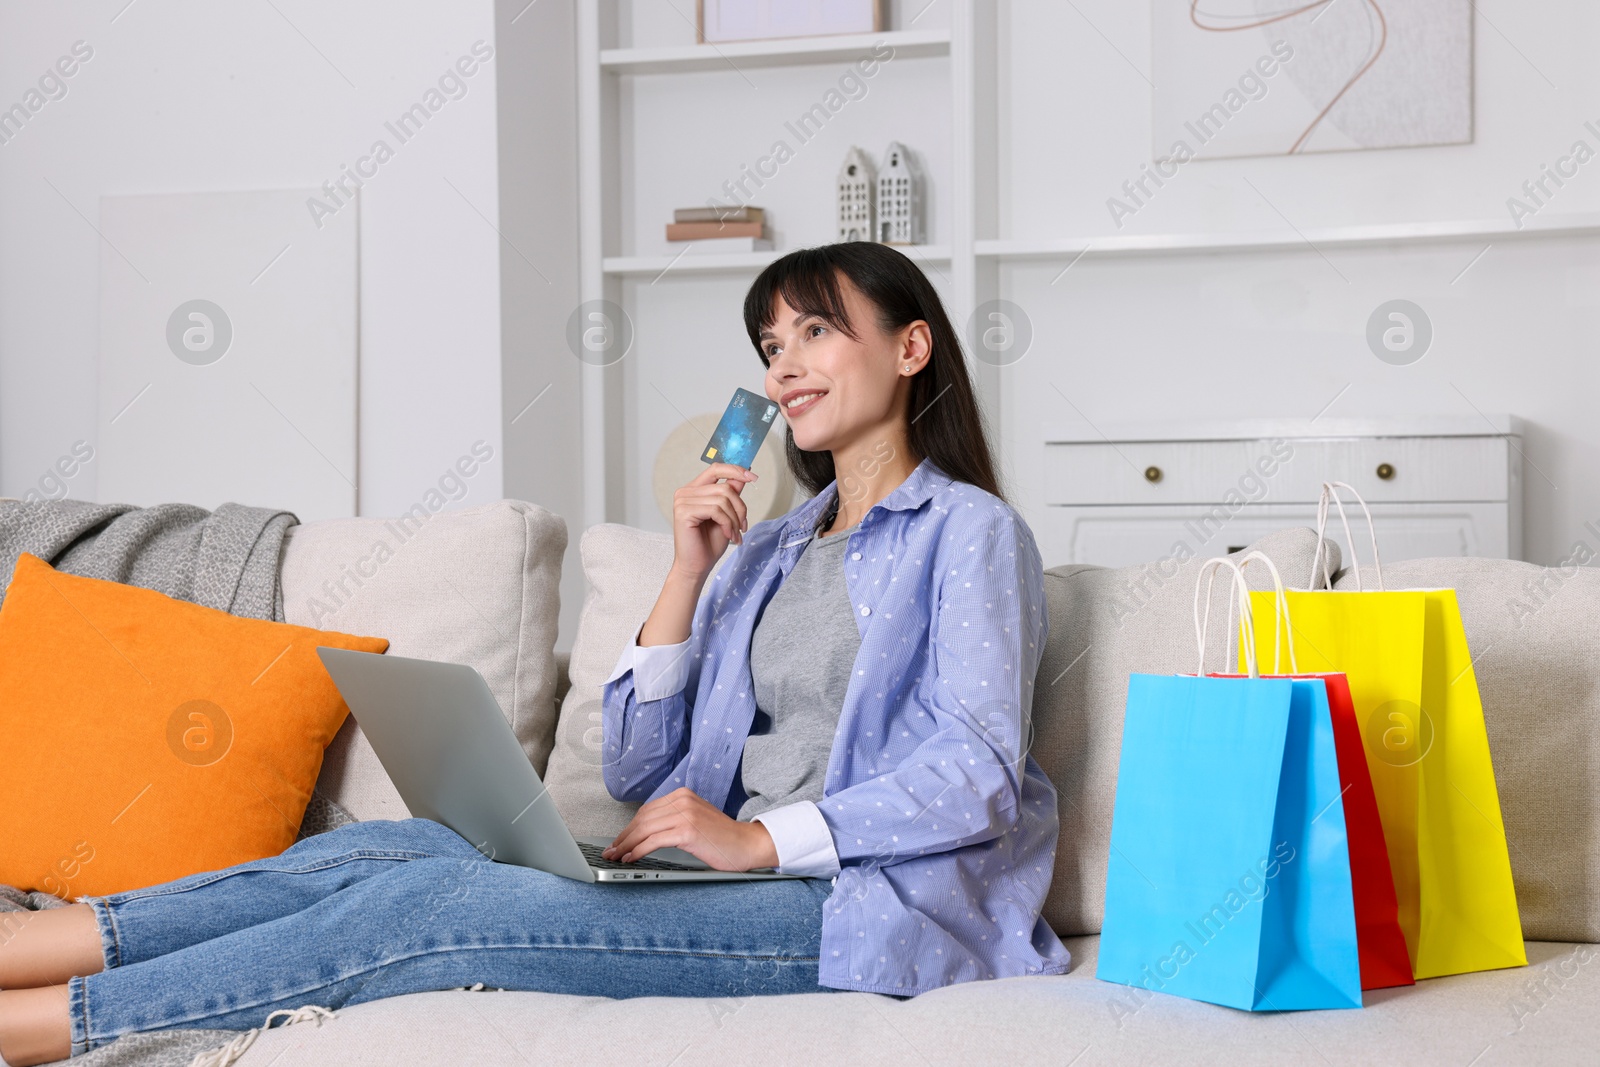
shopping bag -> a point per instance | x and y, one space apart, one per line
1416 701
1385 960
1229 879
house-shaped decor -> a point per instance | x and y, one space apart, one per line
899 197
857 197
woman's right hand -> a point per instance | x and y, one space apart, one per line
708 515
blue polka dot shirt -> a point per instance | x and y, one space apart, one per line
943 828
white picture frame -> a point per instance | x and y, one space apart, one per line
720 21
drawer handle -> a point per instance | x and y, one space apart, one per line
1152 474
1386 471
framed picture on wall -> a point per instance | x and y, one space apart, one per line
1233 78
759 20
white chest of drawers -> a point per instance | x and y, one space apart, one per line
1133 493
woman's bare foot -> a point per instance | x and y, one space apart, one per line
45 948
35 1026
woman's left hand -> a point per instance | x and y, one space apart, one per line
683 819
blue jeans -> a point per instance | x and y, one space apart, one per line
382 908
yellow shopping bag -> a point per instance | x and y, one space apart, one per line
1416 698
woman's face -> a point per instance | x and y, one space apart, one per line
837 391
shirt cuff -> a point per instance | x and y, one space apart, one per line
804 843
659 671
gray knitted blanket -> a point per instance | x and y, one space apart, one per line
227 559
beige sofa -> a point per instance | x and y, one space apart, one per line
479 586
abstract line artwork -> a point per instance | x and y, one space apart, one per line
1284 77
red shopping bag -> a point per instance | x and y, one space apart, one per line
1380 943
1384 959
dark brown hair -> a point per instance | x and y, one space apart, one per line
944 423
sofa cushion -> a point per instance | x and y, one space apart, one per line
623 569
1106 624
148 738
478 586
1533 632
1539 1014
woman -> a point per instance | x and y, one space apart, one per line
848 703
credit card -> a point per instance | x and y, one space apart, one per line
744 426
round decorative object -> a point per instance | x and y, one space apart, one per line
1385 471
678 463
1152 474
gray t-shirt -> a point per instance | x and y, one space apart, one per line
800 657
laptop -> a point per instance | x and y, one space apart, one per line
450 752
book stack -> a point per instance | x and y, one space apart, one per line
716 229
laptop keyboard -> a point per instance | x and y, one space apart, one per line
591 854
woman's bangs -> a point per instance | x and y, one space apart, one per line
811 286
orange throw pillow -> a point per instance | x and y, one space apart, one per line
144 738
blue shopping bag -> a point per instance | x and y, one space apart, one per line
1229 874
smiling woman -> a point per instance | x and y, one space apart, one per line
850 698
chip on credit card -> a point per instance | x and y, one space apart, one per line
744 426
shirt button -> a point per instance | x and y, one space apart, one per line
855 555
865 610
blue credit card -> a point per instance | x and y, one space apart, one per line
744 426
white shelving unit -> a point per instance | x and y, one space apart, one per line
610 53
1271 241
744 262
908 44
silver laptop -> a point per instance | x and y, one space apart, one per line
450 752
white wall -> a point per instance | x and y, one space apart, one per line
188 95
539 271
1280 334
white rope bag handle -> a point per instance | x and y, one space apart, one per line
1208 571
1280 613
1331 489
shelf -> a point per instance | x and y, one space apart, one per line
1274 240
690 262
790 52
